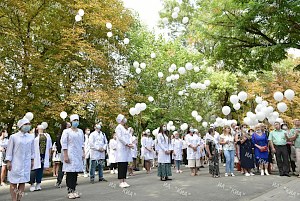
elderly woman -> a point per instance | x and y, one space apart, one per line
72 142
124 147
20 159
260 142
213 153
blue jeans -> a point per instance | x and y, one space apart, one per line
177 163
229 155
85 161
100 164
37 174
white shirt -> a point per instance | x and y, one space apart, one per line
177 149
230 144
97 140
123 153
112 152
134 151
37 157
20 151
4 143
192 140
148 142
87 148
164 145
73 142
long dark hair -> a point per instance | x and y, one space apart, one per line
161 130
189 129
36 132
63 126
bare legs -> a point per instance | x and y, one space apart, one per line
16 191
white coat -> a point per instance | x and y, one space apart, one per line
134 150
123 152
20 151
199 153
73 142
143 148
112 152
156 148
37 157
87 148
164 145
148 142
97 140
177 149
192 140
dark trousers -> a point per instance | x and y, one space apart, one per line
122 170
113 165
60 173
293 165
282 153
37 174
71 181
185 161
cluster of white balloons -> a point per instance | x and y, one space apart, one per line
224 122
180 93
137 65
170 126
175 16
184 126
234 99
78 17
278 96
137 109
109 26
172 77
199 85
196 116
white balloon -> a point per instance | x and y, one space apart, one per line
204 124
180 93
171 123
219 120
143 106
259 107
207 83
226 110
138 70
150 98
185 20
237 106
234 99
194 113
275 115
29 116
260 116
252 117
176 9
258 100
143 65
160 74
242 96
279 120
63 115
108 25
173 128
169 79
271 109
198 118
153 55
126 41
81 12
199 85
78 18
181 70
196 69
289 94
266 111
133 111
173 66
249 113
278 96
272 120
138 107
265 103
189 66
193 85
136 64
176 76
173 77
45 125
165 20
171 70
109 34
174 15
247 120
282 107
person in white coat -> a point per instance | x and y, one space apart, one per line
87 161
72 142
177 150
42 150
98 145
3 147
148 150
20 159
164 159
134 141
112 154
156 148
201 151
193 151
124 147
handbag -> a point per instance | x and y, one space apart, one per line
264 147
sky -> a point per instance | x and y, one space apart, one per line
148 11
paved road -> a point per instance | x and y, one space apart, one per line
182 187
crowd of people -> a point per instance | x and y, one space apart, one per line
27 153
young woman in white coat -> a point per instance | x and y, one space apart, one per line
3 147
87 161
134 141
164 159
112 154
148 151
193 151
124 147
177 150
20 159
42 149
72 142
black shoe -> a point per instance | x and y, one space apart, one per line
281 175
92 181
287 175
102 179
201 166
167 178
135 169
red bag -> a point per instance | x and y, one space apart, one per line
264 147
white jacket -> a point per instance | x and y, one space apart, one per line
192 140
123 152
37 158
112 152
164 145
97 140
148 142
177 148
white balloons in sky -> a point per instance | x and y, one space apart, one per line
81 12
193 85
176 9
289 94
198 118
207 83
181 70
258 100
136 64
143 65
237 106
138 70
78 18
194 113
171 70
150 98
160 74
173 66
153 55
282 107
126 41
109 34
45 125
165 20
185 20
176 76
204 124
174 15
278 96
180 93
242 96
63 115
29 116
226 110
108 25
189 66
196 69
168 79
234 99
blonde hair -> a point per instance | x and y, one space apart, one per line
225 128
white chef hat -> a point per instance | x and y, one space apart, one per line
174 133
212 125
74 117
23 121
120 118
40 127
148 132
196 130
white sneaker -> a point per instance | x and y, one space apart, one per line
180 171
177 171
116 171
112 172
186 166
32 188
266 172
85 175
96 173
122 185
126 185
144 168
3 184
262 173
38 187
251 174
247 174
224 165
